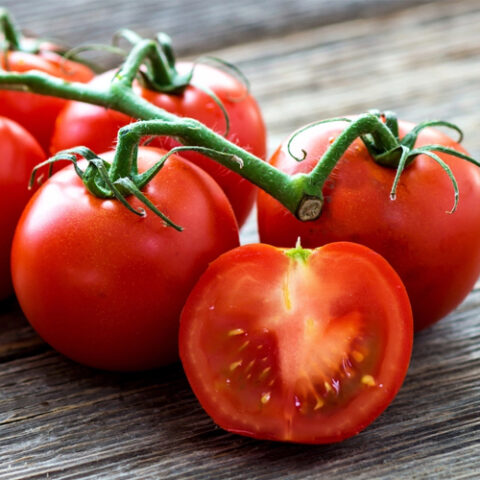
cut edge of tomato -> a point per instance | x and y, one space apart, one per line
211 400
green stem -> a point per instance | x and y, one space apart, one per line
288 190
44 84
12 35
144 49
166 45
364 125
285 188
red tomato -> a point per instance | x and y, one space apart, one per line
80 124
302 346
436 254
19 153
37 113
106 287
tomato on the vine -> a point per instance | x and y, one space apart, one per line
19 153
106 287
297 345
436 254
96 127
37 113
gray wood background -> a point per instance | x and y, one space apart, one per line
306 60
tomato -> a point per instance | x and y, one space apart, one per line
436 254
80 124
106 287
37 113
19 153
297 345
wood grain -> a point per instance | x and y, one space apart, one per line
405 62
17 339
59 420
196 26
72 422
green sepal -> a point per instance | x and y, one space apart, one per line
298 253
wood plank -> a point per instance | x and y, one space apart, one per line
404 62
195 26
69 421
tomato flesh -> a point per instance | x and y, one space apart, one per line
309 350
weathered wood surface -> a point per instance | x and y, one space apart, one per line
197 25
59 420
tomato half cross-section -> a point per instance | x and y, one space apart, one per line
297 345
104 286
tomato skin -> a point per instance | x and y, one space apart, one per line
79 124
20 152
278 353
106 287
436 254
37 113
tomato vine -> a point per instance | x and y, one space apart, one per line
301 194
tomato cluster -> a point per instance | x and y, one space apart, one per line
79 124
305 337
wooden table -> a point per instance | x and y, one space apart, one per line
306 60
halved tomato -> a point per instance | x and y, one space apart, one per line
297 345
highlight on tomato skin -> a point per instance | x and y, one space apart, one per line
305 346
